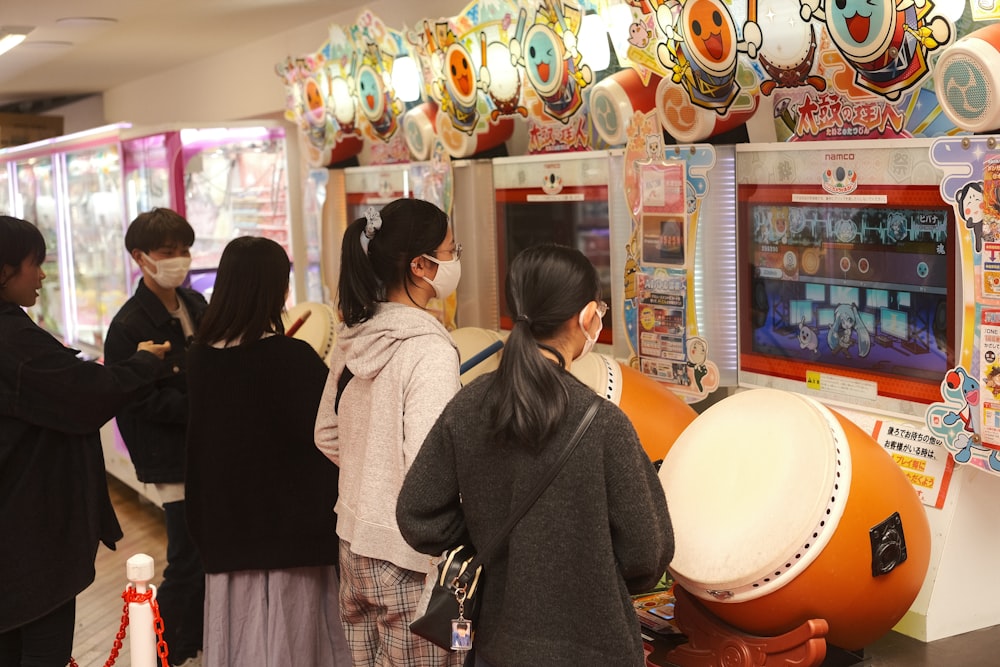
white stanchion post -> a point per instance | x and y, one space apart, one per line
142 634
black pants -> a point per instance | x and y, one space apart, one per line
45 642
181 595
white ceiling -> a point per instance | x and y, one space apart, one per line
65 59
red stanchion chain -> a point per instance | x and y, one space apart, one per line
130 595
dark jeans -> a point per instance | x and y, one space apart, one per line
45 642
181 595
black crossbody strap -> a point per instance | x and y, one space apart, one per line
543 484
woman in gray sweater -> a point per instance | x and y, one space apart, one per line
558 592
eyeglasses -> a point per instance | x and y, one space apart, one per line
602 309
455 254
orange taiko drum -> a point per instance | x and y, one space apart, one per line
786 511
657 414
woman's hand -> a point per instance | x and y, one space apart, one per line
159 349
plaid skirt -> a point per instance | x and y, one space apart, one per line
378 601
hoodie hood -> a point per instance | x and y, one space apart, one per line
368 347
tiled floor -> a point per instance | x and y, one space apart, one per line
99 608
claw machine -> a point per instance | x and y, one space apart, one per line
71 188
227 181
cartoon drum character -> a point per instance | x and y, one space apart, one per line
315 106
703 51
343 106
789 60
885 41
552 75
460 88
502 79
376 102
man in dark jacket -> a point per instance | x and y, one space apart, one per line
154 428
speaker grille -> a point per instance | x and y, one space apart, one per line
968 94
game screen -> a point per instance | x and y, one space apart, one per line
847 291
580 224
547 200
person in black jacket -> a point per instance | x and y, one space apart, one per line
54 503
154 428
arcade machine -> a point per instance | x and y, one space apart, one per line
849 317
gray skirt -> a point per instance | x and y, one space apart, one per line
274 618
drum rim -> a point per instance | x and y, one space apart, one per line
793 563
327 314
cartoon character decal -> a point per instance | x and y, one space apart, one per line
697 354
971 209
846 323
701 47
552 183
992 380
886 42
791 76
956 420
552 65
501 79
808 340
377 101
456 83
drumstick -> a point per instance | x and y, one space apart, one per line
482 47
480 356
297 324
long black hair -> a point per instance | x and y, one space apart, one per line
546 286
250 291
410 228
19 239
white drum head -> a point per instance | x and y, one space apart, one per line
318 329
601 373
756 486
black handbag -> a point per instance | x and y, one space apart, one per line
454 596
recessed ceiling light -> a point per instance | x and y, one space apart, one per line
11 36
86 20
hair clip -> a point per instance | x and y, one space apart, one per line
373 224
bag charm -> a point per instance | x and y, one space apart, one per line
461 628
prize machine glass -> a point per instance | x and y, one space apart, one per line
314 199
848 282
35 202
146 166
95 209
235 184
6 198
561 199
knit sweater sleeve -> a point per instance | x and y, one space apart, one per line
428 510
641 530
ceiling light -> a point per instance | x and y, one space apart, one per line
86 20
11 36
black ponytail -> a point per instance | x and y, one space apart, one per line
409 228
546 286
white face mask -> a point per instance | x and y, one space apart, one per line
168 273
589 345
448 275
